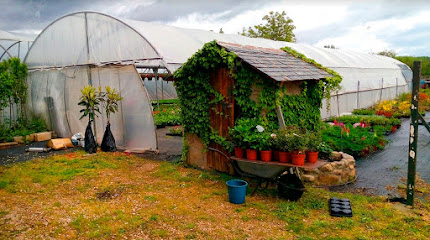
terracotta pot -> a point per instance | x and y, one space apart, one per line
283 157
238 152
251 154
298 159
312 157
275 156
266 155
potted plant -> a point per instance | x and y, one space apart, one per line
265 146
314 140
247 133
90 100
109 100
299 146
236 135
283 145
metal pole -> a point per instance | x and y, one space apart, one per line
382 86
337 100
156 87
397 86
413 135
162 89
90 81
358 94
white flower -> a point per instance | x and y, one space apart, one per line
260 128
273 135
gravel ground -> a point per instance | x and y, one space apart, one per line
170 149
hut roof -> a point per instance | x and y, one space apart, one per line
275 63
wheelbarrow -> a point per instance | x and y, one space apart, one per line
285 175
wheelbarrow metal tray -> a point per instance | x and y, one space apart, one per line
269 169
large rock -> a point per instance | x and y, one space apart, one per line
308 178
336 156
329 179
327 167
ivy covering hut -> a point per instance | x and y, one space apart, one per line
224 84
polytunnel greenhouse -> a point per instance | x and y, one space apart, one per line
93 48
14 45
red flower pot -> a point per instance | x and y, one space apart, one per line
275 156
266 155
238 152
251 154
312 157
298 159
283 157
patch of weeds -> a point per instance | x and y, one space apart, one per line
296 226
154 217
3 213
395 168
191 226
167 171
190 236
239 210
4 184
314 203
121 231
303 237
83 187
150 198
245 218
346 223
159 233
259 205
285 210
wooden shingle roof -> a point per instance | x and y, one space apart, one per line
275 63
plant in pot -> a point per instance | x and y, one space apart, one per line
314 140
237 135
110 99
299 145
283 144
90 100
246 134
265 144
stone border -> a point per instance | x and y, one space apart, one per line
340 171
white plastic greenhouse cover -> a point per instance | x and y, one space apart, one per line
14 45
93 39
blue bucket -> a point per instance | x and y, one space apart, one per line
236 191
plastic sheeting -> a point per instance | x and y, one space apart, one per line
95 39
54 95
164 89
14 45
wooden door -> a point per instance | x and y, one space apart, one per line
221 117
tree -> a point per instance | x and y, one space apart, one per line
221 31
277 27
387 53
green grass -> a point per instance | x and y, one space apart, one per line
107 196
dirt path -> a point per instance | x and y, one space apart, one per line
381 173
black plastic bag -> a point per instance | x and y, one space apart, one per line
108 142
90 142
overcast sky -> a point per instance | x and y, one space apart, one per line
366 26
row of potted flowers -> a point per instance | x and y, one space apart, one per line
287 145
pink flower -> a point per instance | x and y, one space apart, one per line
273 135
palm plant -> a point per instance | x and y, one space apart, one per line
90 100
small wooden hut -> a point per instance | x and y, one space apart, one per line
224 82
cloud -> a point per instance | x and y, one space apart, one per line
366 25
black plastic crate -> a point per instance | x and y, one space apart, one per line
340 207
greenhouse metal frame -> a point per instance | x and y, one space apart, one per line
93 48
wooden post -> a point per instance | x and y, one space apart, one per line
413 135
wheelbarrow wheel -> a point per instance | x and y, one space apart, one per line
290 187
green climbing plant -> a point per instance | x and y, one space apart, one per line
256 96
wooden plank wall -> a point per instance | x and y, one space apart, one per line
223 83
